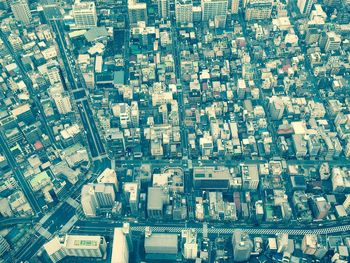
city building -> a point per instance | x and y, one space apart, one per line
21 11
75 246
163 8
131 190
250 177
189 243
137 12
330 41
346 203
155 201
211 178
235 6
84 14
320 207
305 6
97 197
212 9
88 200
314 245
120 248
159 246
242 246
108 176
276 108
4 246
184 11
63 104
258 9
105 195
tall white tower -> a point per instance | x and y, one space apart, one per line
21 11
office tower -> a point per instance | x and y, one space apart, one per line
131 191
88 200
242 246
163 8
105 195
120 249
214 8
161 246
21 11
250 177
155 202
134 114
183 11
276 108
320 207
108 176
75 246
258 9
305 6
137 12
330 41
235 6
282 242
53 74
189 243
84 14
127 232
241 88
97 196
314 245
62 102
197 13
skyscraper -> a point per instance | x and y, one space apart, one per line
120 249
163 8
305 6
85 14
21 11
183 11
214 8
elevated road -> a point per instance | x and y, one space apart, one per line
107 228
6 222
228 163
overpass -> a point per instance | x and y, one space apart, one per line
105 228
